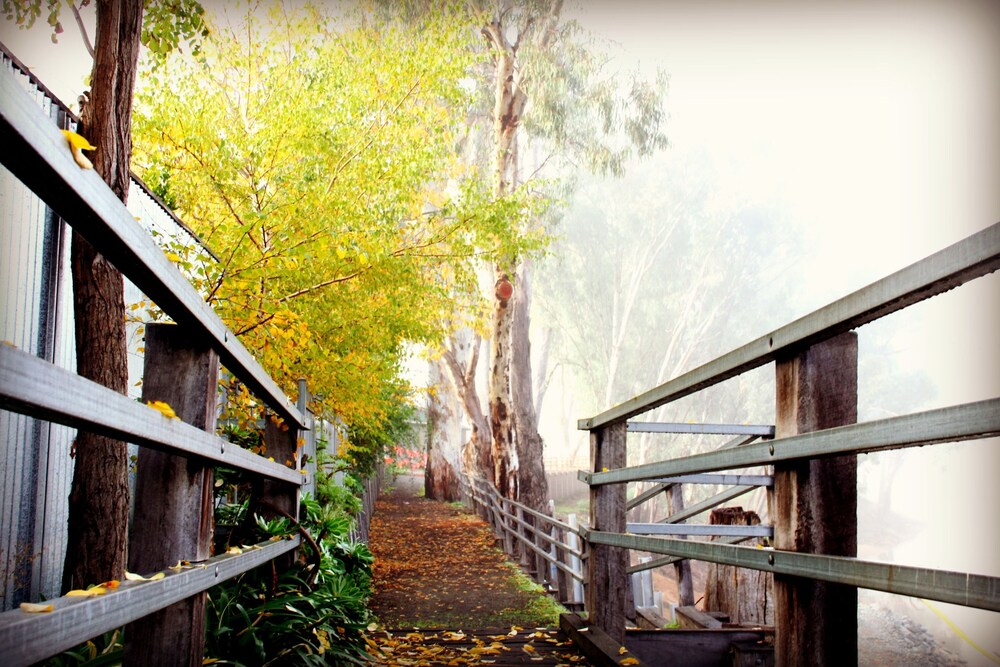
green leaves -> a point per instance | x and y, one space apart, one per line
168 24
293 617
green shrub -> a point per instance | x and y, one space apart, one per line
312 613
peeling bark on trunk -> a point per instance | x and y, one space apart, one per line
534 488
462 359
504 454
440 475
99 497
510 103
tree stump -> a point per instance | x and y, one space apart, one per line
746 596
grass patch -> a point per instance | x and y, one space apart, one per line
579 506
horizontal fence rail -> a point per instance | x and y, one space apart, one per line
556 544
761 430
699 529
962 422
811 473
970 258
34 386
36 152
970 590
30 638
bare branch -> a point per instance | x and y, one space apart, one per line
83 29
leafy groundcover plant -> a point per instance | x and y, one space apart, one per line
311 613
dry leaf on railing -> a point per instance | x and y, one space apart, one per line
163 408
77 144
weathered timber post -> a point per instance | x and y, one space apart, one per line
173 503
745 595
573 540
307 457
541 565
608 590
682 568
281 444
559 577
815 505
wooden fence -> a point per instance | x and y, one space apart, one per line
814 458
551 550
172 520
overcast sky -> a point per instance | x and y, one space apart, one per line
874 125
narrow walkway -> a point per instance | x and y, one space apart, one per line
446 595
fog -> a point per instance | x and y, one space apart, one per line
816 147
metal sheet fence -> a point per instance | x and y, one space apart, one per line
35 298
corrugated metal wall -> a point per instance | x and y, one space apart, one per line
35 470
36 309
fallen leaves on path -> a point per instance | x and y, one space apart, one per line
420 649
436 566
439 567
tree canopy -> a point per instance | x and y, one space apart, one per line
317 158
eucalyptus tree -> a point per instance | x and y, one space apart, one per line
556 108
549 104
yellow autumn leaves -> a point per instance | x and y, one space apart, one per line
163 409
92 591
626 661
77 145
458 649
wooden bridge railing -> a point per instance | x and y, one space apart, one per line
552 549
814 459
173 510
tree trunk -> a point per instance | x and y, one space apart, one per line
462 358
504 454
510 103
441 474
533 487
99 497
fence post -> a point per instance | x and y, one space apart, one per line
574 561
815 505
558 551
682 568
541 565
307 457
173 503
271 497
608 589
